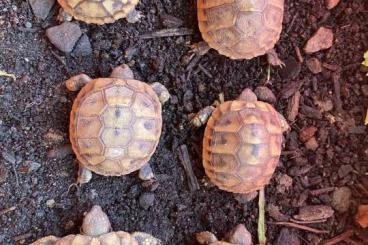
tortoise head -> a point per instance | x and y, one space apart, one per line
96 222
248 95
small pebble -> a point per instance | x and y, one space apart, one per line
240 235
83 47
341 198
41 8
50 203
28 24
33 166
265 94
314 65
311 144
146 200
64 36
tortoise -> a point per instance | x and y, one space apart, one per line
242 143
241 29
115 123
238 236
102 11
96 230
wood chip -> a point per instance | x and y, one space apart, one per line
293 107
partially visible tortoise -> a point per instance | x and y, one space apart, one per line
115 123
242 143
242 29
238 236
101 11
96 230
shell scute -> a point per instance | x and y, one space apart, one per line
92 105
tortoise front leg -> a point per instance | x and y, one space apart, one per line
77 82
84 175
202 116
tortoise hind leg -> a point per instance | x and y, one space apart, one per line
122 72
146 173
134 16
161 91
77 82
200 48
273 59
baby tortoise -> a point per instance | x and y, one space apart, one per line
96 230
238 236
242 143
241 29
115 123
102 11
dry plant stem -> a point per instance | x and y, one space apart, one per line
301 227
339 238
261 218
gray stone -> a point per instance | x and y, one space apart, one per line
83 47
146 200
64 36
341 198
41 8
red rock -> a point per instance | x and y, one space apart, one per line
311 144
330 4
314 65
322 39
362 216
306 133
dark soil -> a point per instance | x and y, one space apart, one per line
37 105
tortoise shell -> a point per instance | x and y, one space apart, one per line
112 238
100 11
115 125
242 145
241 29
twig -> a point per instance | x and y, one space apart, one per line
261 218
185 161
7 210
302 227
171 32
337 88
205 71
308 222
339 238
